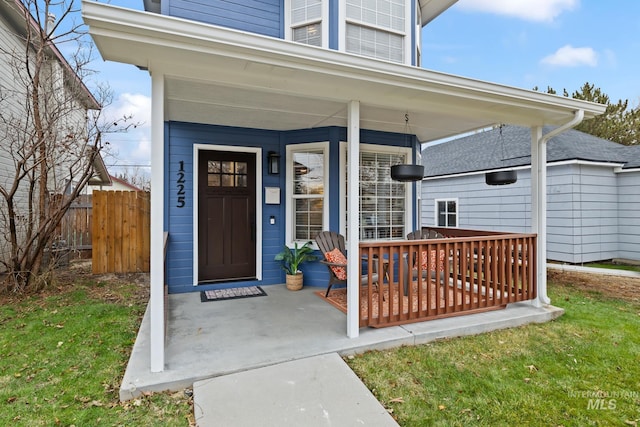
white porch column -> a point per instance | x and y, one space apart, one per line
353 219
539 209
156 276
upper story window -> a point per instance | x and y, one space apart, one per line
305 21
376 28
307 184
447 213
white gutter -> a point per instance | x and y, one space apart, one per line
577 119
539 211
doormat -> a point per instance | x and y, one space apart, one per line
232 293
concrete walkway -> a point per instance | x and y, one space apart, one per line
317 391
212 339
276 360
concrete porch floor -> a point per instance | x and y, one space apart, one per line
210 339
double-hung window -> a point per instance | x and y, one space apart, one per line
305 21
376 28
385 207
307 190
447 212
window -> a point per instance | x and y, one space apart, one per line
306 21
384 206
306 190
447 213
376 28
226 173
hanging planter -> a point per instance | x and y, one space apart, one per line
406 172
501 177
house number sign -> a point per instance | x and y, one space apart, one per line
180 184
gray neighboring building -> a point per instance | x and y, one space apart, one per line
593 188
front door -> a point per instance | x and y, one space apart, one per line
226 216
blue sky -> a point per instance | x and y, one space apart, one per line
528 43
521 43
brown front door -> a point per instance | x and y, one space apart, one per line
226 216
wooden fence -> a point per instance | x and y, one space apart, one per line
74 230
121 237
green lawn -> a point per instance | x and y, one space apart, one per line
63 354
582 369
62 357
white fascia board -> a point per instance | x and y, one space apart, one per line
620 170
587 163
431 9
108 24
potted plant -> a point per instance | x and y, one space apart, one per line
291 259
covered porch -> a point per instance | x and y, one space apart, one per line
207 339
242 80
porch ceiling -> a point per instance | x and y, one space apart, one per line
219 76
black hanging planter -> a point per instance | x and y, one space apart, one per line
501 177
406 172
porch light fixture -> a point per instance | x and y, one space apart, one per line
273 160
407 172
503 177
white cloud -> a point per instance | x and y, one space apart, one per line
569 56
528 10
131 104
134 146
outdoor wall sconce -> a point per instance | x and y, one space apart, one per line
273 160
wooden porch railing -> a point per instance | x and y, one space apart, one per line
452 276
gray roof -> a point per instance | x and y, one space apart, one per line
511 147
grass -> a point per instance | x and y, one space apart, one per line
614 266
62 357
541 375
63 354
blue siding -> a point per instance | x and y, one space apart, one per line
334 14
264 17
181 138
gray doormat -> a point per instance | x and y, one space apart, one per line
232 293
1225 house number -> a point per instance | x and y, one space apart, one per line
180 184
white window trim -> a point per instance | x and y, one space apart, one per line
258 152
343 182
323 20
435 211
324 146
418 27
408 23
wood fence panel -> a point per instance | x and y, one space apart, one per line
98 252
121 224
74 230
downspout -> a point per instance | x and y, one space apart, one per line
577 119
541 211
